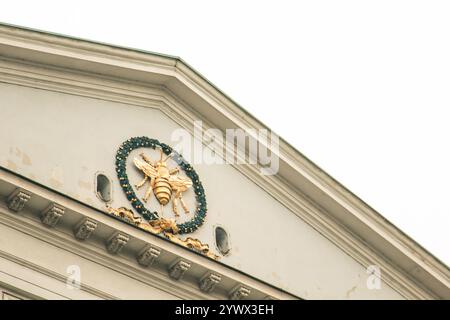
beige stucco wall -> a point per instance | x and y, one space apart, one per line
62 140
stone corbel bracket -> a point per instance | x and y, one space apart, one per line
148 256
209 282
240 292
85 229
116 242
16 201
51 216
178 269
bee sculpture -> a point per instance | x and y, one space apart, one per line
163 182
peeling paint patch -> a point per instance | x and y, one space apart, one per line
56 179
89 201
73 195
55 183
349 292
11 165
84 185
26 159
275 275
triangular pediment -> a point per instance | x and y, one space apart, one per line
72 104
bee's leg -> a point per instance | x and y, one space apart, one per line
175 205
185 208
148 193
142 182
162 211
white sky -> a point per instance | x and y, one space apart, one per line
362 88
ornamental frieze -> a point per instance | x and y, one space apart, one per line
167 185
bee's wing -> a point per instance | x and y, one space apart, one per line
179 182
147 168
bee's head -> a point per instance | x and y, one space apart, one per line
161 164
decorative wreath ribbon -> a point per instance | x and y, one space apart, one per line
121 169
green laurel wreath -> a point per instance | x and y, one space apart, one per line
121 169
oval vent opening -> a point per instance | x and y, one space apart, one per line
222 241
104 188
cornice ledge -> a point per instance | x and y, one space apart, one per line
74 47
125 261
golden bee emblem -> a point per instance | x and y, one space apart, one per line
163 182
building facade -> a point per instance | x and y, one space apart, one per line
89 130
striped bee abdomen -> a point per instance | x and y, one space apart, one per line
162 190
